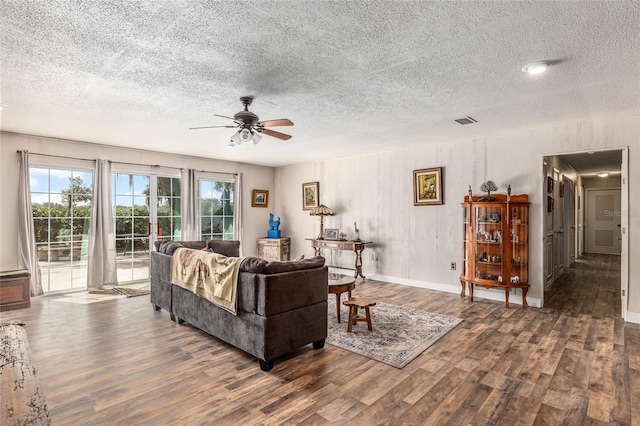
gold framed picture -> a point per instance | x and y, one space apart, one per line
310 195
427 187
259 198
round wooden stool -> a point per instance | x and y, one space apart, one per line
354 304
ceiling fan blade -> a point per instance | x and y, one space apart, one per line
224 116
276 134
212 127
276 123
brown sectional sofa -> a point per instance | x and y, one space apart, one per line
281 305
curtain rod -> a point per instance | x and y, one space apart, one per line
153 166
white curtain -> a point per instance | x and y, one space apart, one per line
26 232
237 222
102 269
188 209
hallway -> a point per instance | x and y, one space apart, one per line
591 286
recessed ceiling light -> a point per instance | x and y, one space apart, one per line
603 174
535 67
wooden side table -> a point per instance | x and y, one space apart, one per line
338 284
274 248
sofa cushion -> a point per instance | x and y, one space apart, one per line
188 244
276 267
168 247
225 247
253 264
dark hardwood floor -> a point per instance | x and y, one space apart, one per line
572 362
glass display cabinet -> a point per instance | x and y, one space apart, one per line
496 241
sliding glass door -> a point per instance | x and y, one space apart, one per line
61 207
146 208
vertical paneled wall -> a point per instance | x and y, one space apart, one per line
415 245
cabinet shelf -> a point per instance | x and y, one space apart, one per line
479 250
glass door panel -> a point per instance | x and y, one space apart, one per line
132 218
146 209
168 209
488 249
519 243
61 207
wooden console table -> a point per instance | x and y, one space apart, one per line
355 246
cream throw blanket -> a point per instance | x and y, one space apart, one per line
209 275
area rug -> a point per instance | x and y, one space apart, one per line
133 290
399 334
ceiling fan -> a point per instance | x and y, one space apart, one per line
249 125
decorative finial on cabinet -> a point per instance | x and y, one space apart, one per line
508 192
470 193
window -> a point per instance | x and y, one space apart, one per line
216 200
61 207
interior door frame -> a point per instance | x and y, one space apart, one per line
153 173
624 202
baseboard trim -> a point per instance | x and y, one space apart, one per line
633 317
479 292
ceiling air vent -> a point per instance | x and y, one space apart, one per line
466 120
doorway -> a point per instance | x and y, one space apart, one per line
611 223
146 208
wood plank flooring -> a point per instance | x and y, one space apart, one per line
572 362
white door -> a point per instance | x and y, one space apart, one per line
603 221
558 227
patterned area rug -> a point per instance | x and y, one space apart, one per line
133 290
399 334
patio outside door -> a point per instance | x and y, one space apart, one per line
146 208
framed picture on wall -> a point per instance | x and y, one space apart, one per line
427 187
549 184
561 188
310 195
549 203
259 198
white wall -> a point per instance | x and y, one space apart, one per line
416 244
255 220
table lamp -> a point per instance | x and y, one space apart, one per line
321 211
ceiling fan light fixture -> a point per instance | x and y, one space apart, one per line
535 68
235 139
245 135
256 138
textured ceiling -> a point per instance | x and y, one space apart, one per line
355 77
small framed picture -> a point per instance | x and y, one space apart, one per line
561 186
331 234
310 195
427 187
549 184
549 203
260 198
